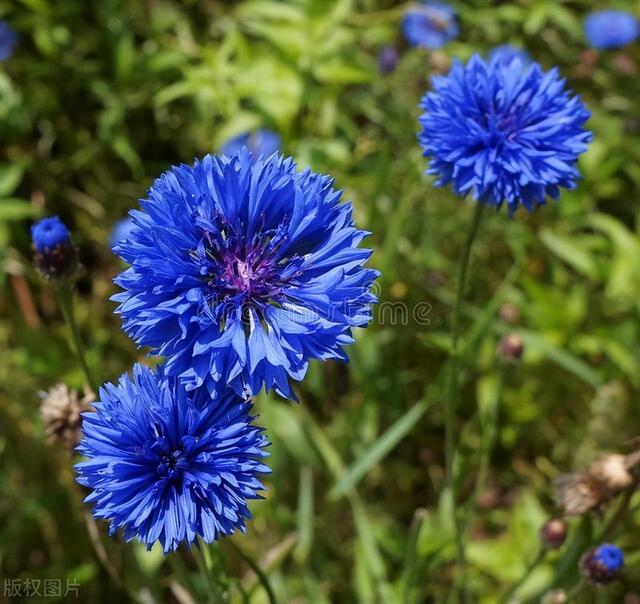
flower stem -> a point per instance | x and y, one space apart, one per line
453 395
205 565
255 567
540 556
65 298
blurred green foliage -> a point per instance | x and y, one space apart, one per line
101 97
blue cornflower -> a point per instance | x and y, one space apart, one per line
8 39
54 254
506 53
242 271
607 29
430 24
165 465
120 231
503 133
261 142
602 564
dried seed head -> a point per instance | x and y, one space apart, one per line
613 472
60 410
580 492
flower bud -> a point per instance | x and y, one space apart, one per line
511 347
54 254
387 59
553 533
602 564
509 313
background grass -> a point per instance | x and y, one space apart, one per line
101 97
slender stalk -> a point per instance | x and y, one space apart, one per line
489 431
255 567
65 298
540 556
576 591
451 402
617 517
205 566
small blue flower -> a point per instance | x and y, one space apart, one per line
607 29
602 564
430 24
387 59
121 231
166 465
8 39
503 133
261 143
506 53
54 254
49 233
243 271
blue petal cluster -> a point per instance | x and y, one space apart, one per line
261 143
430 24
506 53
503 133
49 233
602 564
610 556
165 465
607 29
242 271
8 39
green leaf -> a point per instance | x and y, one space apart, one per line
341 73
568 249
10 178
17 209
379 449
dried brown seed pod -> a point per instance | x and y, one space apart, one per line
60 410
580 492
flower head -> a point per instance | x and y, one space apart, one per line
608 29
260 142
242 271
8 39
164 465
506 53
503 133
602 564
54 254
430 24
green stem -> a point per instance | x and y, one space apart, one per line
255 567
453 395
540 556
576 591
65 298
206 570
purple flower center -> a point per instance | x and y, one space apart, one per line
248 274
